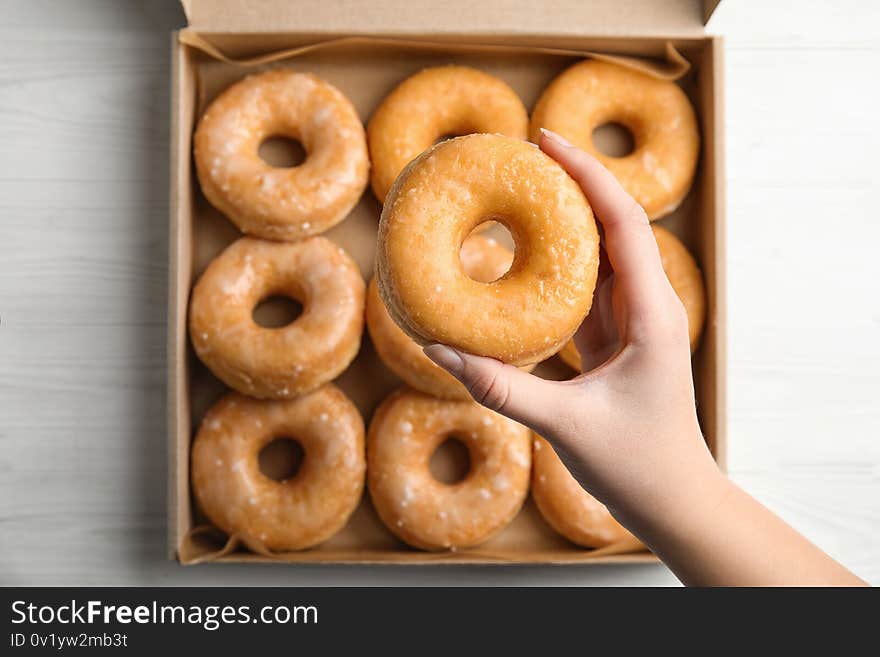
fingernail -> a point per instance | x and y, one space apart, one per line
445 357
559 139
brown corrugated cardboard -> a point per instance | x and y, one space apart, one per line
366 68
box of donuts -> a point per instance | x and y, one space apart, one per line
348 186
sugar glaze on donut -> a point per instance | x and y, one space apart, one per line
292 514
425 513
660 170
435 103
274 202
278 363
566 506
483 259
529 313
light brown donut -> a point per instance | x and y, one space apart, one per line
435 103
274 202
687 281
405 431
660 170
295 513
531 311
278 363
483 259
566 506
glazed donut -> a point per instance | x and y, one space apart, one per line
529 313
273 202
278 363
483 259
290 514
566 506
687 281
433 104
659 171
405 431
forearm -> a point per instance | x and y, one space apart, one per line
718 535
627 428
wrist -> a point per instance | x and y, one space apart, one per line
681 502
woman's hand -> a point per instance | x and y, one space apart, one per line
627 428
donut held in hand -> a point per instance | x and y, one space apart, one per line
529 313
483 259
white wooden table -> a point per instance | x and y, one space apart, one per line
83 246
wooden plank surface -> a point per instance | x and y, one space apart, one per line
83 250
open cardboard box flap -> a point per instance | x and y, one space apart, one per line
460 17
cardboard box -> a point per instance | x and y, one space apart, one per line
366 49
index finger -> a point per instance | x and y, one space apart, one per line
629 240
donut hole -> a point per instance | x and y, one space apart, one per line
614 139
282 152
451 461
491 229
277 311
281 459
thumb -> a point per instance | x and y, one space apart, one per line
499 387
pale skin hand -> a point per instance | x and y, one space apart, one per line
627 429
